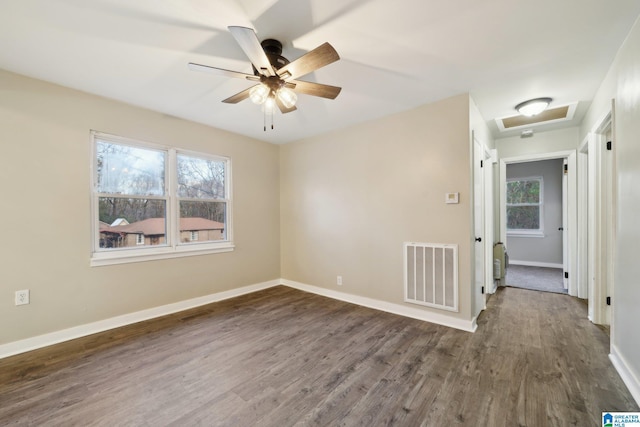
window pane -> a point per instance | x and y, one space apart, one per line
206 220
523 217
519 192
131 222
129 170
200 178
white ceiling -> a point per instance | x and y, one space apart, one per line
395 54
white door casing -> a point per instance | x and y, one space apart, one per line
600 218
481 254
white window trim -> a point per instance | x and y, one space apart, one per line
532 232
525 233
139 239
173 247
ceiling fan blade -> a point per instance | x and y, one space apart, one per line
323 55
222 72
282 107
316 89
240 96
248 41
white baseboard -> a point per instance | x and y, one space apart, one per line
535 264
493 288
28 344
627 375
40 341
399 309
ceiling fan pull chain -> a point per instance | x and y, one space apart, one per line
264 119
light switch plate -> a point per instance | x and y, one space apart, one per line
452 197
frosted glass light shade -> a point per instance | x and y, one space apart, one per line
533 107
259 94
269 105
287 97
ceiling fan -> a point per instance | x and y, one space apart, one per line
275 76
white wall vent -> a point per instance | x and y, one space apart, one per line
431 275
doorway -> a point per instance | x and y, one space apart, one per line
535 218
548 269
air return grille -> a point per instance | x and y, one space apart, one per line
431 275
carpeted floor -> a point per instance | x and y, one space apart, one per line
536 278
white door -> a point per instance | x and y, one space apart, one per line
601 224
564 228
478 225
489 230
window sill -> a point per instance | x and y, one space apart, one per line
537 234
99 259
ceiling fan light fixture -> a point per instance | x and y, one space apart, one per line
259 94
274 75
287 97
269 105
533 107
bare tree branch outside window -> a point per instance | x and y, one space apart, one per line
524 204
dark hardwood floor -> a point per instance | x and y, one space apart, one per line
283 357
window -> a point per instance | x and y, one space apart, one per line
151 202
524 206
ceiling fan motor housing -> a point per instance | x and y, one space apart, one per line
273 49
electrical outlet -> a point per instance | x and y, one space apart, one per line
22 297
339 281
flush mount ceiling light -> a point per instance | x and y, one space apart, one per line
533 106
553 114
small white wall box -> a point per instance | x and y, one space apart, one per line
452 197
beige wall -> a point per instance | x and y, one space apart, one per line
479 126
623 84
539 143
350 199
44 177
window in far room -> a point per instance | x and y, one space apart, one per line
524 206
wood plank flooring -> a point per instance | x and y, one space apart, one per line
282 357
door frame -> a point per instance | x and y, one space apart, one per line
565 220
571 226
597 208
486 230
